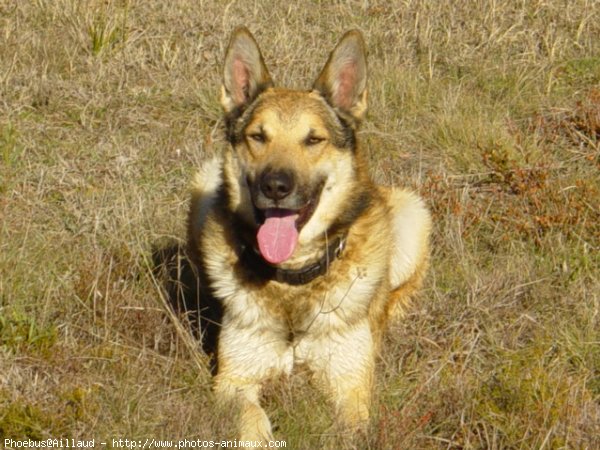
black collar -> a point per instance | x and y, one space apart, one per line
254 262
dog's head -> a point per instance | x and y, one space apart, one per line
293 173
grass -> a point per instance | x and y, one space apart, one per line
491 110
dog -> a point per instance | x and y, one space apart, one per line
307 257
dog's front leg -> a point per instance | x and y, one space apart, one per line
343 364
254 425
247 357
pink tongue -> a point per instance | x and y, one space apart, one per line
278 236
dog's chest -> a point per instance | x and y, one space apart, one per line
333 302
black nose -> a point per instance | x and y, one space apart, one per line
276 184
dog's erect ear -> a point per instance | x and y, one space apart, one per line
244 74
343 80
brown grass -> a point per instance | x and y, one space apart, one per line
491 110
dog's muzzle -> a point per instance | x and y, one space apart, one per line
282 207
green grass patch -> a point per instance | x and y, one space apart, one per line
21 333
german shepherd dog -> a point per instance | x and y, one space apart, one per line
306 256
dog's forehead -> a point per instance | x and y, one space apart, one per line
288 110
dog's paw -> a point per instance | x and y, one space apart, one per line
255 425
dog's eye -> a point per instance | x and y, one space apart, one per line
313 140
258 137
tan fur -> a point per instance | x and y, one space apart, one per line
333 324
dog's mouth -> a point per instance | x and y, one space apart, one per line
279 229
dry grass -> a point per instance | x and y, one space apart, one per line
490 109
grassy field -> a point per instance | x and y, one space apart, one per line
491 110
